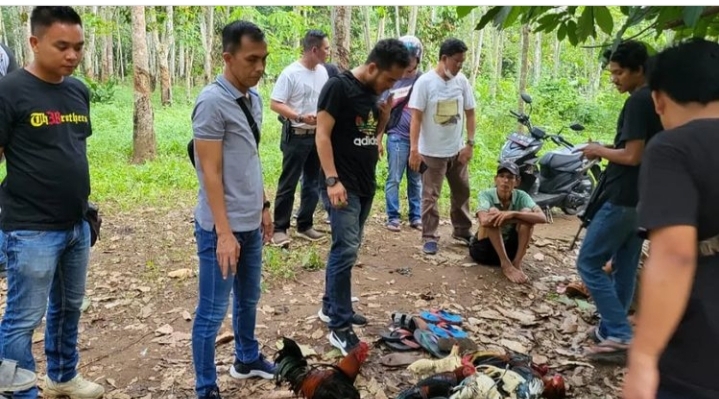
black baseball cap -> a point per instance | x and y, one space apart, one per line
510 167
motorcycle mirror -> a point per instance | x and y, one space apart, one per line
577 127
526 98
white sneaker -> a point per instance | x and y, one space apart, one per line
76 388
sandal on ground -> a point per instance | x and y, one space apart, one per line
399 359
404 321
416 224
14 378
393 226
428 341
441 316
466 345
608 351
400 340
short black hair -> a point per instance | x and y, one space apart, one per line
687 72
313 38
233 33
630 54
451 47
44 17
388 53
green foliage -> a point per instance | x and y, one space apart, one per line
580 27
100 92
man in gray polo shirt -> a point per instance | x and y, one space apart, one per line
232 217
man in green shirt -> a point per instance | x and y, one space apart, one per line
506 218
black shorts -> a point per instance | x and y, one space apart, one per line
483 252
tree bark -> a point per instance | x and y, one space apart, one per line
25 36
537 75
188 74
170 31
181 60
557 62
89 57
341 18
367 29
524 68
206 34
477 54
120 54
412 28
143 132
164 53
382 25
106 61
497 75
397 28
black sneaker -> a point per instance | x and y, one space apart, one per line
357 319
344 340
259 368
214 393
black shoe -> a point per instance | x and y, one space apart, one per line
357 319
345 339
214 393
259 368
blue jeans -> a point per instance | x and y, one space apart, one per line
347 228
214 297
3 253
398 157
45 266
612 234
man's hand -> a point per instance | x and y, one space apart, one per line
465 155
228 253
268 228
592 151
502 217
386 107
309 120
337 195
414 160
380 147
642 377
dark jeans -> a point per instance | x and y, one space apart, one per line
214 297
46 272
299 158
322 186
347 229
611 235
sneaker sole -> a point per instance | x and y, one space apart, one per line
254 373
281 244
336 344
326 319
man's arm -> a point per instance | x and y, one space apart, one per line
417 104
323 140
209 131
284 110
530 216
670 217
630 155
471 123
469 107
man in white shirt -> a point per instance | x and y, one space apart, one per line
294 98
442 102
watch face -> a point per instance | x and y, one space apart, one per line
331 181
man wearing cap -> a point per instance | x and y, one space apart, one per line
398 144
506 218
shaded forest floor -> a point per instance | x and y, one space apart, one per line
135 336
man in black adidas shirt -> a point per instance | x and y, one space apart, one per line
348 121
676 345
611 235
44 125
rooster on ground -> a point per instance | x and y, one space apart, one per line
438 385
319 381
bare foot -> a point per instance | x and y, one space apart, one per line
513 274
517 263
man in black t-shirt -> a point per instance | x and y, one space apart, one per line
676 346
348 122
44 125
611 235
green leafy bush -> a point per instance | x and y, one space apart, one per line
100 92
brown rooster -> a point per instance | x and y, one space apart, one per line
438 385
319 381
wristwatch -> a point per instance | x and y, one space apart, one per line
331 181
266 205
470 142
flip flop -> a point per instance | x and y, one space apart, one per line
447 316
14 378
429 342
404 321
399 359
454 331
400 340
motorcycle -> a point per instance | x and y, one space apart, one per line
561 178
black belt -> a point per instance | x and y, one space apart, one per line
303 132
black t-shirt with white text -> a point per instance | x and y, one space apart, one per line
43 132
354 143
637 121
679 186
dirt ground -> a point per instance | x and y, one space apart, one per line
135 336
